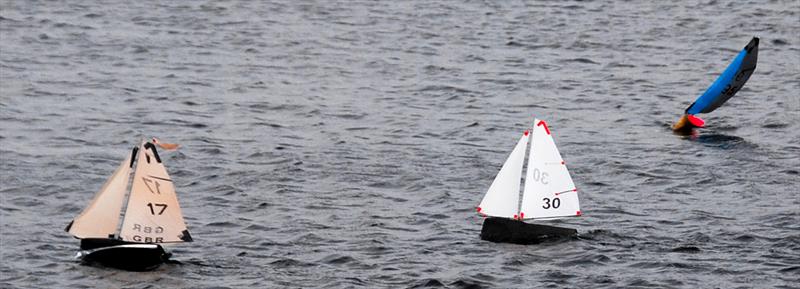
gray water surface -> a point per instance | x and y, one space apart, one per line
345 144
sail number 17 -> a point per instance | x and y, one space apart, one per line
153 210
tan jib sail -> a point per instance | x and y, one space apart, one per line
153 214
101 218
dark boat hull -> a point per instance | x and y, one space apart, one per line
502 230
128 256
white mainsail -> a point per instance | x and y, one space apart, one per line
101 217
502 198
549 190
153 214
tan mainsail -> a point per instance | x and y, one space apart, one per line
153 214
101 218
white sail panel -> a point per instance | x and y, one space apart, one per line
549 191
101 217
153 214
502 198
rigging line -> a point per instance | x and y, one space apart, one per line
567 191
160 178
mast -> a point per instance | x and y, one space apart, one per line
121 216
528 159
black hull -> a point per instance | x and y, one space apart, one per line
502 230
130 256
94 243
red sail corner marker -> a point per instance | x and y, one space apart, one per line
542 123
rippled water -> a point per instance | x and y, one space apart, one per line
345 144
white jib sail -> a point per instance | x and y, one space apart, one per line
153 214
101 217
549 190
502 198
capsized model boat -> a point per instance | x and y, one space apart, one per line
732 79
152 216
549 192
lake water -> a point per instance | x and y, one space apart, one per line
346 144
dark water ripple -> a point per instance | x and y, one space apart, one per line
344 144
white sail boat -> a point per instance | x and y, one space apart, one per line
152 216
548 193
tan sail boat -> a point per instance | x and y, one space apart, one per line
152 216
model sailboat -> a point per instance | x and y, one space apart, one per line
152 216
549 192
727 84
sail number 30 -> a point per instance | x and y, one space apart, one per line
539 176
555 203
